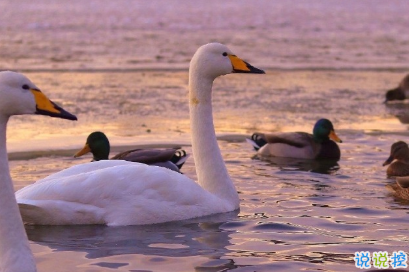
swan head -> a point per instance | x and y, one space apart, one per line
214 59
98 144
18 95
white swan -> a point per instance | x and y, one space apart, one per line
128 193
18 95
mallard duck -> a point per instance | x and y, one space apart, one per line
98 144
399 93
18 95
398 160
400 189
115 192
299 145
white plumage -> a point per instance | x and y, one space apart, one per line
18 95
127 193
116 193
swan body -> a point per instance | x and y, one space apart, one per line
107 198
18 95
299 145
126 193
98 144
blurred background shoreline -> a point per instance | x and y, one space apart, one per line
105 35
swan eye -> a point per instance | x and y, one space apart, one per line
25 87
225 54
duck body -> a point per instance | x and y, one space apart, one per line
299 145
98 144
398 169
398 160
400 189
115 192
171 158
399 93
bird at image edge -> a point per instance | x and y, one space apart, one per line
18 95
116 192
398 160
399 93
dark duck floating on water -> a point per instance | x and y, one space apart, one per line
399 93
398 160
98 144
299 145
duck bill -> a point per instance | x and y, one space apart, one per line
83 151
240 66
388 161
45 106
333 136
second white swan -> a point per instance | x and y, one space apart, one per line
128 193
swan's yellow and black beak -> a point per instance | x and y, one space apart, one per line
86 149
45 106
240 66
333 136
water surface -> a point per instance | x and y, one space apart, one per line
121 66
294 216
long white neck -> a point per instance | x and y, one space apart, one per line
15 253
210 168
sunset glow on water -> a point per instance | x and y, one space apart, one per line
122 68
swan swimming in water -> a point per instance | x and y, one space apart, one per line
18 95
127 193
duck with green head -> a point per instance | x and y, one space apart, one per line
300 145
98 144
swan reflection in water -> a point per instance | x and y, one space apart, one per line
201 236
292 164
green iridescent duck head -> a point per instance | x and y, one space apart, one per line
98 144
324 130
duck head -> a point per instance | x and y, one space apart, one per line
98 144
399 151
324 130
395 94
